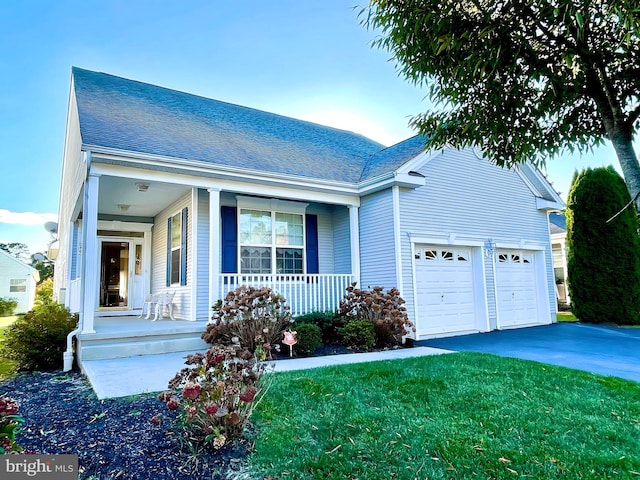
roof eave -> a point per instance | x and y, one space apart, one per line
142 160
391 179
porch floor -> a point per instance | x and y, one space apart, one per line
131 326
121 377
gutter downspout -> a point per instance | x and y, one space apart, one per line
67 355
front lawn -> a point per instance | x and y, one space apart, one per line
566 317
456 416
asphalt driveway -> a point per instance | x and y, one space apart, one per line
598 349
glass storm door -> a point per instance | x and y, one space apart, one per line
116 263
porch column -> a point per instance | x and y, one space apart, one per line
354 235
214 245
89 281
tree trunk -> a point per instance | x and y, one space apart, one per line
629 164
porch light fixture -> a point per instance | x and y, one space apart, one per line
142 187
123 207
489 247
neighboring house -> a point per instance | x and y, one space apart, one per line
167 191
18 281
558 231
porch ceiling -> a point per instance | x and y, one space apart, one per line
114 191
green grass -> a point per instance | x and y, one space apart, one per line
6 366
566 317
457 416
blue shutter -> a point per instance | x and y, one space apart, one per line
183 247
229 234
169 252
311 242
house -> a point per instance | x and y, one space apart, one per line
558 231
18 281
167 191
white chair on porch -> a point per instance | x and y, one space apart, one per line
148 305
163 300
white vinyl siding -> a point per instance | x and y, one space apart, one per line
74 172
182 298
466 197
341 241
377 248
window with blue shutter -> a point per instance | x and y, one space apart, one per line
177 248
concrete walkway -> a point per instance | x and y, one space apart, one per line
121 377
605 350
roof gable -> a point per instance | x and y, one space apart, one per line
132 116
7 257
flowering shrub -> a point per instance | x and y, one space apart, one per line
10 422
216 395
249 317
384 309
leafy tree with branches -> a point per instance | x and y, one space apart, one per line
17 250
524 80
603 259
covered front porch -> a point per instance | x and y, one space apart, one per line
136 233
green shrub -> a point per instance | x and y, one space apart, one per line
358 334
215 395
384 309
36 340
7 306
44 292
328 322
309 338
603 258
250 318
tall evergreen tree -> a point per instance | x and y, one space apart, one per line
603 256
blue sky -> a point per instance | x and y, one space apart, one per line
305 59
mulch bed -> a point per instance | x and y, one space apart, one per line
113 438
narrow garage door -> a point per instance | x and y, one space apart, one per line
445 290
516 286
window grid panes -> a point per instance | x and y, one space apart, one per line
255 227
289 260
262 235
255 260
17 285
289 229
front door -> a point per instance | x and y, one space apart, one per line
121 278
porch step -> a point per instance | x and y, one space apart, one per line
135 342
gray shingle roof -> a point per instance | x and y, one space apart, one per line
557 222
393 157
139 117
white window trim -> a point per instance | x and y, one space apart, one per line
274 206
179 247
23 283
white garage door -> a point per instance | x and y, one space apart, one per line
516 286
445 290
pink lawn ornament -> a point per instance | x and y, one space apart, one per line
290 339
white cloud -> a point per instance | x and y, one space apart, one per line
26 218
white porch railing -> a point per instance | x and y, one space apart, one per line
304 293
74 296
